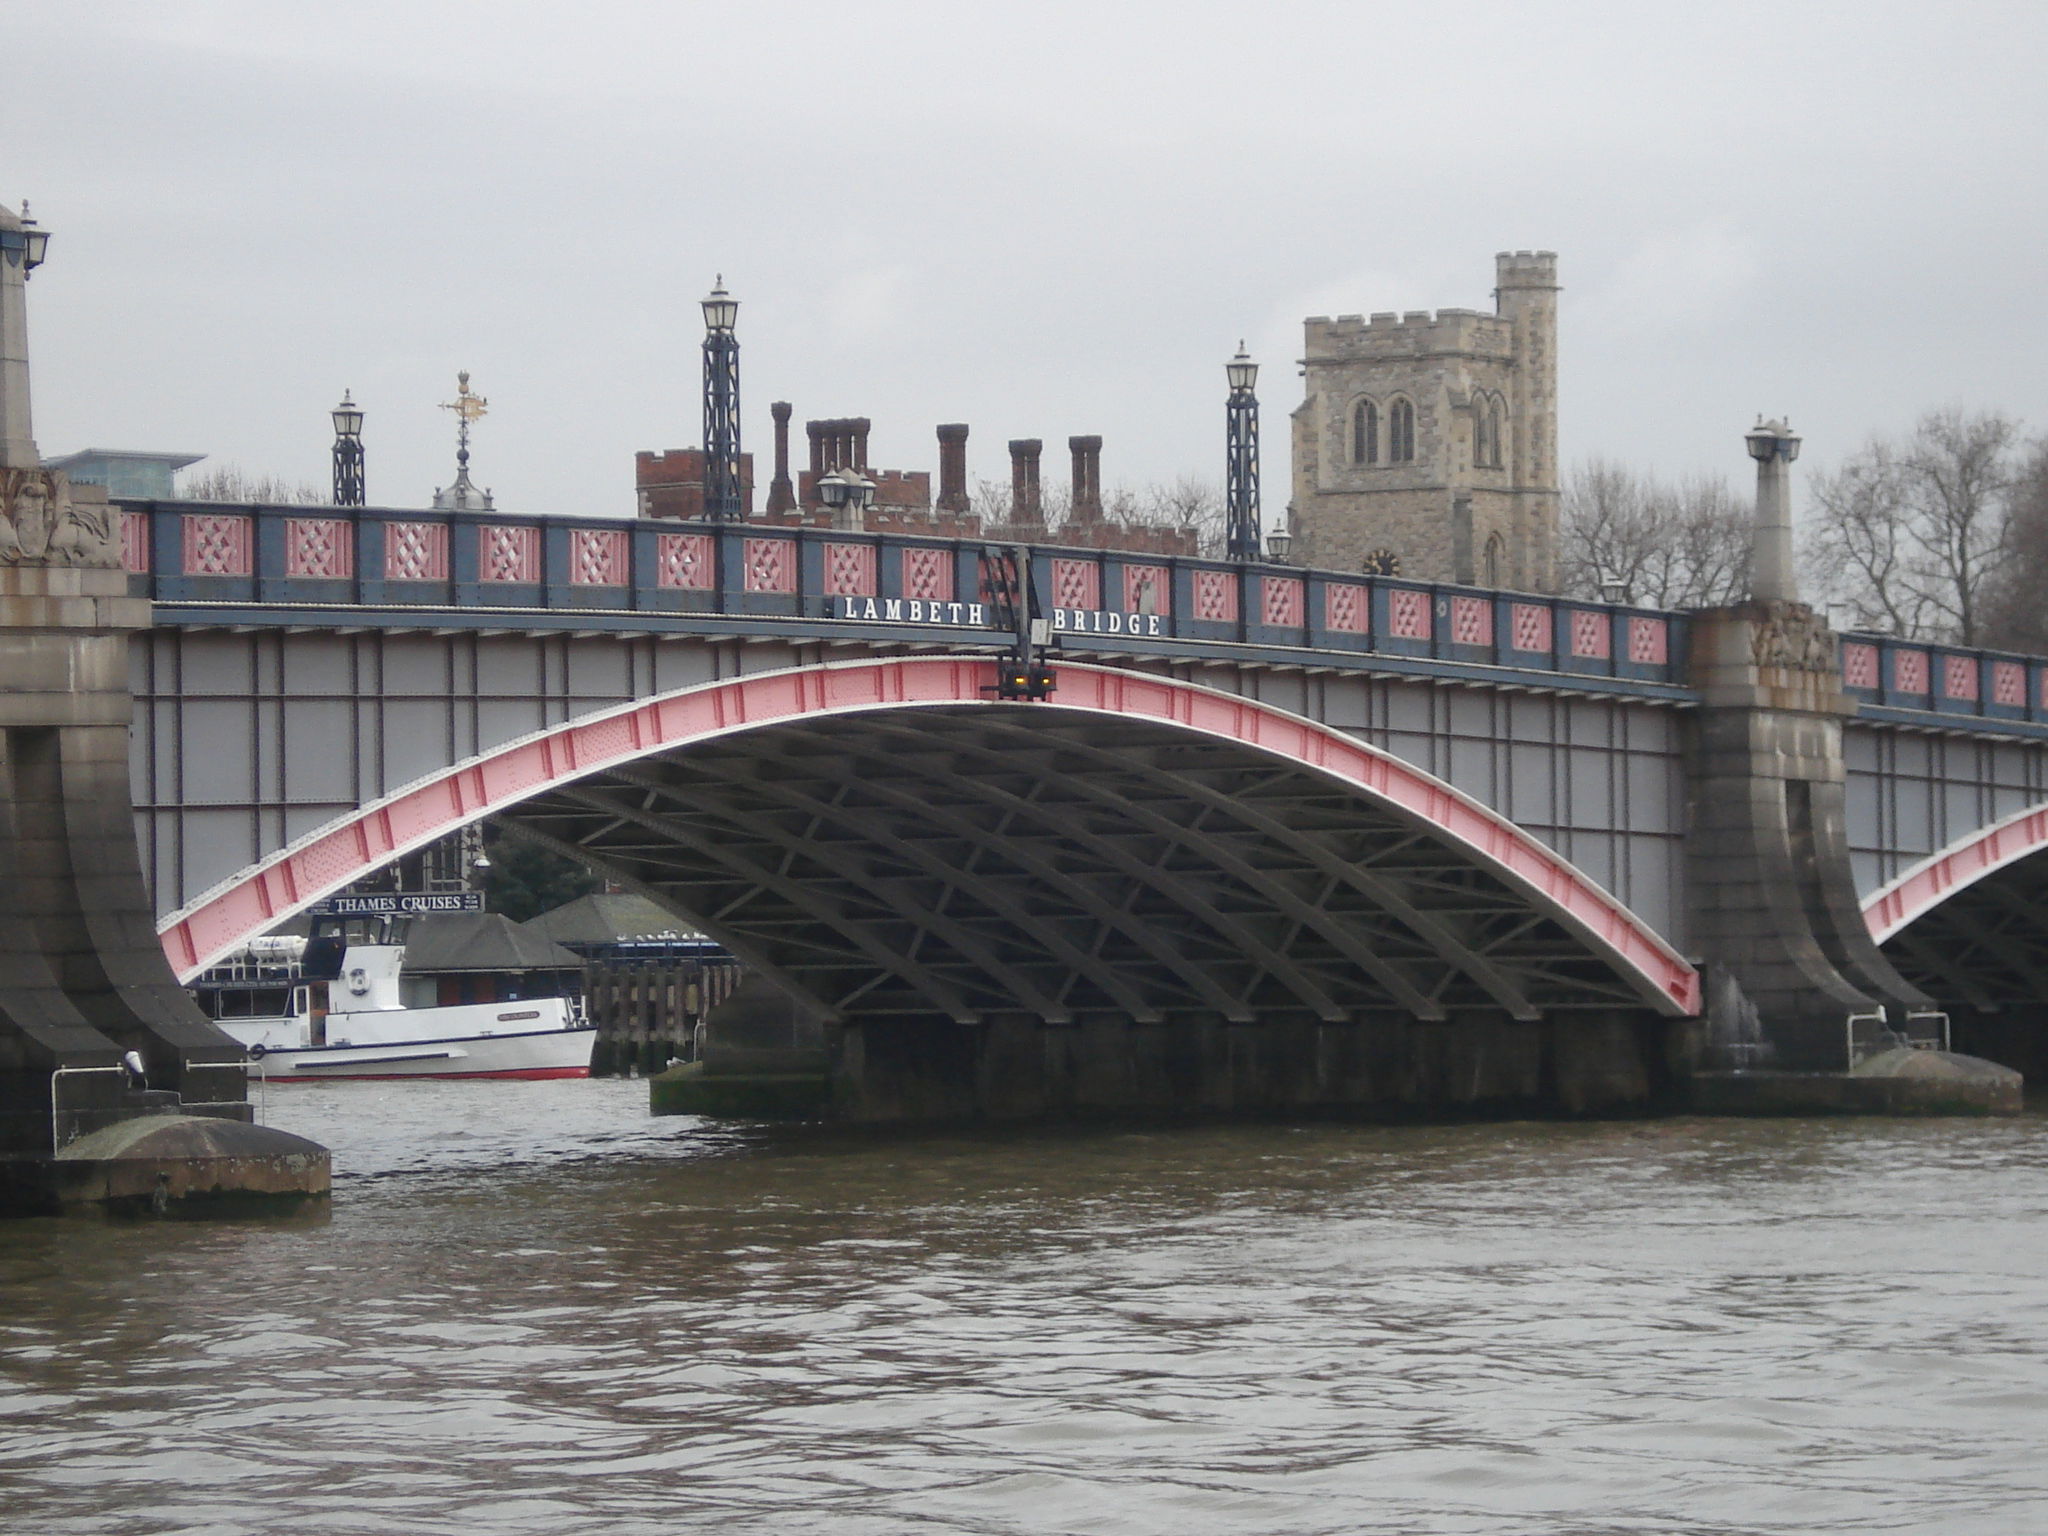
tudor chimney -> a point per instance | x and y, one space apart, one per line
781 494
953 467
1087 505
1026 508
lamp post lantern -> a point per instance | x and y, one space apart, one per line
1241 467
348 453
1771 577
721 406
847 492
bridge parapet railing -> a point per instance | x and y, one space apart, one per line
1962 683
620 569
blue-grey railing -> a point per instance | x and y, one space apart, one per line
618 574
621 572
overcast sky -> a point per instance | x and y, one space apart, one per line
1040 219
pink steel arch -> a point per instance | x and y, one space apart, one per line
1936 878
326 860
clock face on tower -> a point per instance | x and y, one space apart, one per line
1381 562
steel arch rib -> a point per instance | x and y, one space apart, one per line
1222 924
1963 863
745 951
1013 911
332 857
1305 989
1014 982
1403 989
915 975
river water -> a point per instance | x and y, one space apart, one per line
535 1309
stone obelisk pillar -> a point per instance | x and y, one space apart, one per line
1773 899
83 980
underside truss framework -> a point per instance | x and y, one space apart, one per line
964 860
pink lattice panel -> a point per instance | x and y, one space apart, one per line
682 561
1859 665
928 573
415 551
1959 677
217 544
1408 615
1649 641
1592 634
135 542
1281 601
319 547
1471 621
1345 609
1909 671
1147 589
598 557
2009 683
508 554
1532 627
849 570
1076 584
771 565
1216 596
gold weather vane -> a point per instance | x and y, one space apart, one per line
468 408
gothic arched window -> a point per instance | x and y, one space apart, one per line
1495 415
1365 433
1401 432
1495 551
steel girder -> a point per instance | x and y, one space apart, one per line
1986 944
961 860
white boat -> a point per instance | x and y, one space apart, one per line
462 996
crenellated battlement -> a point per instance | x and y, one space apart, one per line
1412 333
1525 269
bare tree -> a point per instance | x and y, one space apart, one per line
1188 502
1910 535
2014 607
230 482
1668 546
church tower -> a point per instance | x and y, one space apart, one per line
1426 445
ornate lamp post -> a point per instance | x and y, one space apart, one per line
1241 472
22 245
348 453
721 407
1771 577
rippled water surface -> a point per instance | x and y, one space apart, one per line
534 1309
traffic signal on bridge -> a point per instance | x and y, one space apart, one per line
1025 680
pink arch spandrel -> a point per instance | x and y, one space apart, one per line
1963 863
325 861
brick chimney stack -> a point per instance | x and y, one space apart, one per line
1025 504
781 494
953 467
1087 451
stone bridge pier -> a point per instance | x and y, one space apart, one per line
95 1032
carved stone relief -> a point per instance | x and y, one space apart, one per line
1791 636
40 524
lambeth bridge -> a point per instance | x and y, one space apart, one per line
1279 837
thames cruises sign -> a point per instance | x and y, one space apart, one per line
395 903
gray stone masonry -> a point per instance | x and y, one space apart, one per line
1469 504
1773 901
